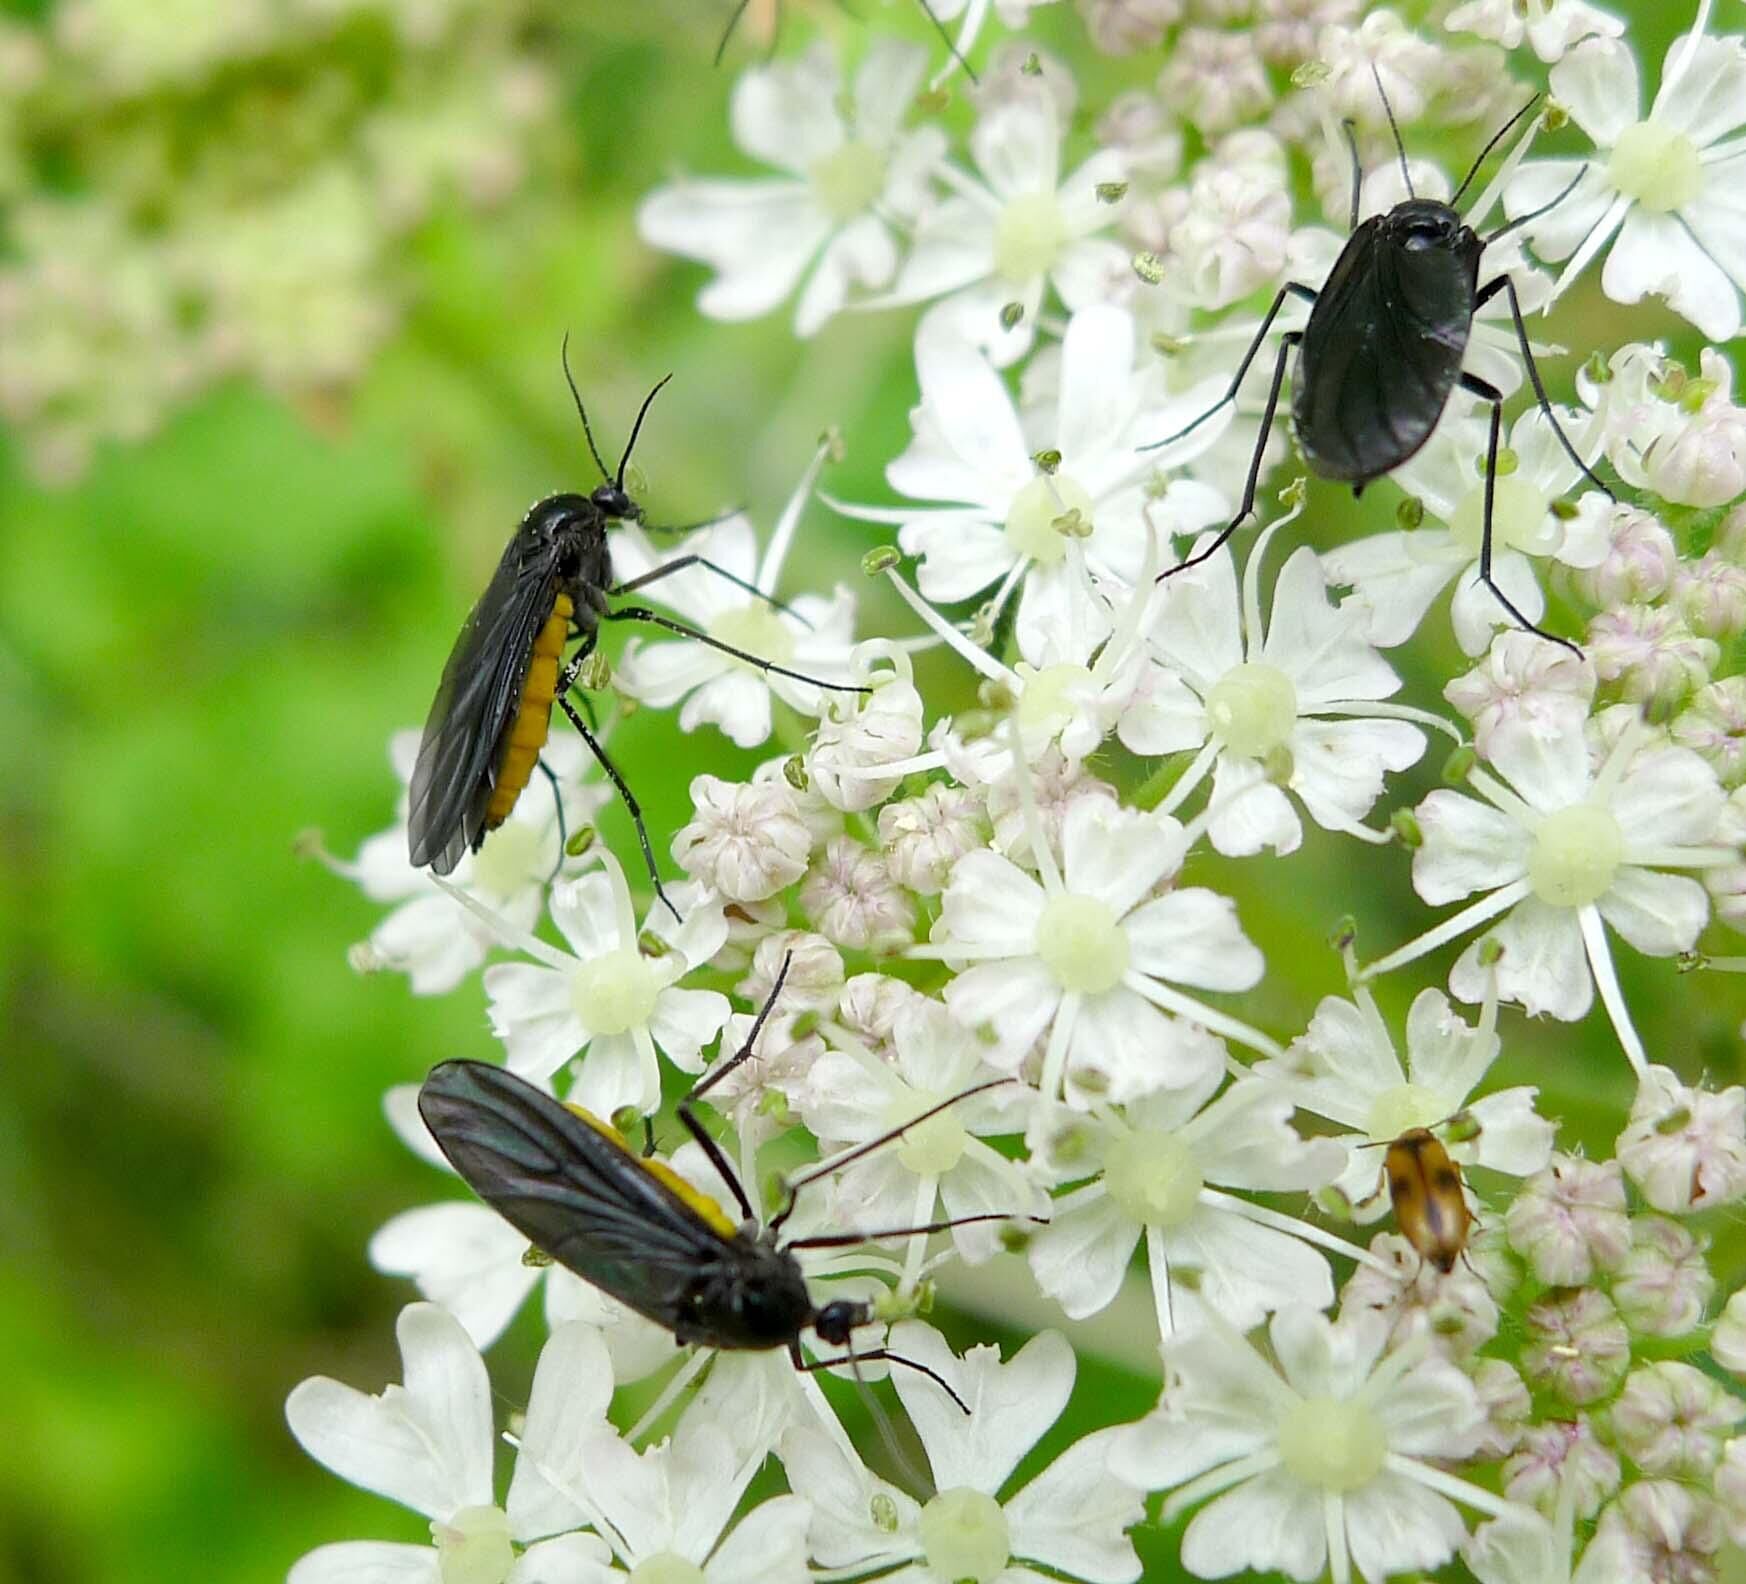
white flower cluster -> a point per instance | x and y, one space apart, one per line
1019 904
200 191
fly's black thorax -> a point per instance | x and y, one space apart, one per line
1432 256
754 1297
572 531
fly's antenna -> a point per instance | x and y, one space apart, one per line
581 411
951 43
1485 153
919 1480
825 1167
1393 126
728 31
1534 214
1351 132
637 429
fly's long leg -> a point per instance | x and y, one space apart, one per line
632 807
558 803
693 1124
874 1355
1286 342
850 1239
642 613
1490 393
1504 284
679 563
1289 289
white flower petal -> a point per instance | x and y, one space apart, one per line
1394 1525
767 1546
1192 937
569 1559
1468 847
1114 854
367 1562
571 1390
1246 1271
1659 914
463 1256
1597 83
1544 966
426 1444
1655 253
1079 1259
1072 1517
1271 1522
1011 1404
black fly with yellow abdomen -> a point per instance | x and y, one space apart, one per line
493 708
634 1228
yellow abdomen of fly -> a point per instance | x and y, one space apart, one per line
692 1197
527 733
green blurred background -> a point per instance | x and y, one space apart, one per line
205 642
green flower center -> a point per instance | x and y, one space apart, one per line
666 1567
1045 514
1082 943
964 1536
615 991
756 629
1656 166
1046 704
1337 1446
1401 1109
1518 511
847 180
934 1147
473 1547
509 858
1252 709
1028 237
1576 853
1154 1177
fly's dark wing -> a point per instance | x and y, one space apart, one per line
568 1189
1380 355
477 697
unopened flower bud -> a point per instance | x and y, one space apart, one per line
1638 566
1548 1454
1667 1532
1576 1345
1671 1419
1711 595
1523 682
1650 652
924 836
884 728
1729 1483
1664 1285
815 972
747 840
1685 1148
1728 1339
1569 1220
1504 1396
870 1003
1714 726
852 899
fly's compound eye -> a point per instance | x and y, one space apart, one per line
1424 234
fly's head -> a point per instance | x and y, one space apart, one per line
838 1318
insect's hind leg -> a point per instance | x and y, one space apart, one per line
1485 294
632 807
808 1366
642 613
1287 342
1488 392
551 776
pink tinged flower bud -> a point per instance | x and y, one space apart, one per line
1125 27
1714 726
1639 564
1728 1339
1214 80
1685 1148
1285 30
1576 1345
1671 1419
747 840
1671 1534
1729 1484
1547 1452
1712 597
1730 540
1650 652
1504 1396
1569 1220
1664 1285
1523 681
1727 888
1702 463
852 899
924 836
